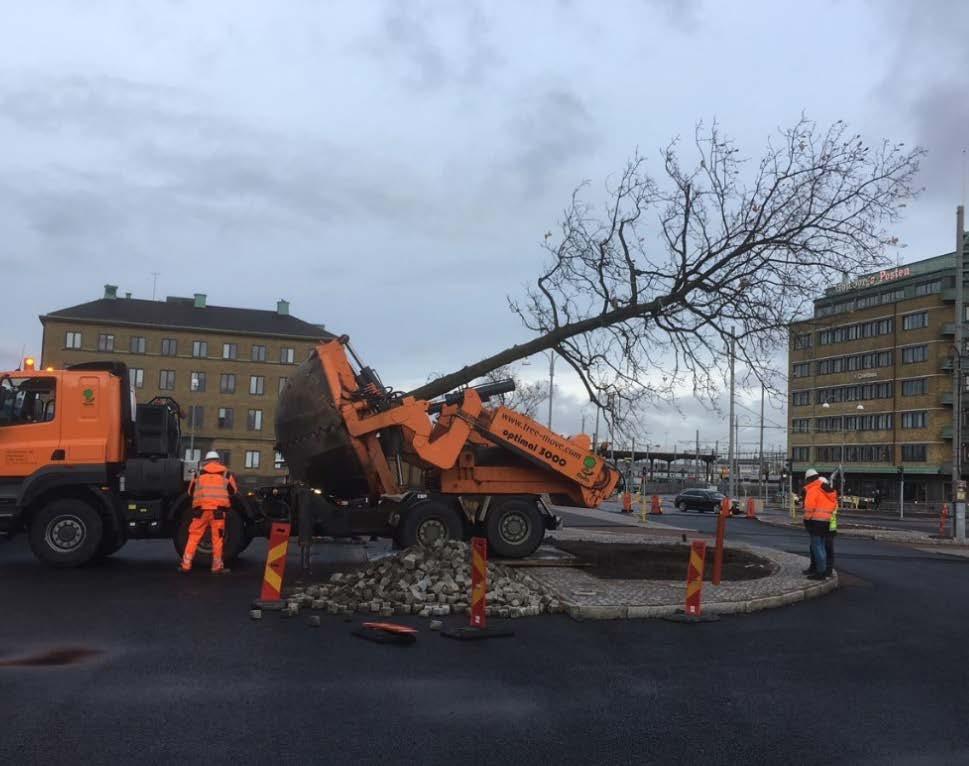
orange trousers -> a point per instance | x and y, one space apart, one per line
196 532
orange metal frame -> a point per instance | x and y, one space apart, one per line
540 461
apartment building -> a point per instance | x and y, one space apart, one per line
871 382
224 366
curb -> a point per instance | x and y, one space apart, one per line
881 535
634 611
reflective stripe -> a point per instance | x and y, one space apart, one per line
818 504
212 488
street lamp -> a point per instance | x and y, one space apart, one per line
844 440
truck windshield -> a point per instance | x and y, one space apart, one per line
26 400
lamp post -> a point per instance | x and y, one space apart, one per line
844 441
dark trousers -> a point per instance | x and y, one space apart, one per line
814 527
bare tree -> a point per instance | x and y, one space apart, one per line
642 298
526 398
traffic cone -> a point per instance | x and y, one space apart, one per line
627 502
751 508
657 506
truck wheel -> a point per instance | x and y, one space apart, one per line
66 533
428 521
236 539
110 544
515 528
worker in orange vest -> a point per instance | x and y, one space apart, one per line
820 502
210 491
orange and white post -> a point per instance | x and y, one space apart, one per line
657 506
272 579
479 581
694 577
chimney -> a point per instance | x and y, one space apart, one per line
282 308
200 300
127 296
111 292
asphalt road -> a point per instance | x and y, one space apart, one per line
872 674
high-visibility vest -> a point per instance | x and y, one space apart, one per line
818 504
212 488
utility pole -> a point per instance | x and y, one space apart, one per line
696 457
582 430
551 384
731 421
154 283
760 459
595 435
958 496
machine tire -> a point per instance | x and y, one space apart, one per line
422 522
236 538
515 528
66 533
109 545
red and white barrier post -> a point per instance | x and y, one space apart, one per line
694 577
479 581
272 579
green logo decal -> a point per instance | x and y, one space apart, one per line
88 395
589 461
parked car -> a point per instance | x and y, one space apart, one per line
698 500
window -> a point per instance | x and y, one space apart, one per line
193 455
882 422
800 398
914 354
287 355
252 458
828 454
196 416
915 387
801 425
105 342
137 377
257 385
200 348
800 454
225 457
225 417
230 351
72 340
824 425
282 384
166 380
802 341
928 288
227 383
915 419
197 382
849 332
915 321
28 401
915 453
259 353
868 453
802 370
254 420
137 344
278 460
169 347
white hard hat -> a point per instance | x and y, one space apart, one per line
823 480
810 473
212 455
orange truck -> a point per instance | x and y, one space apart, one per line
83 468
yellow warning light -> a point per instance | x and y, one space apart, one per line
49 369
29 363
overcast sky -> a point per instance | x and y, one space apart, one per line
390 168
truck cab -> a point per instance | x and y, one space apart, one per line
82 467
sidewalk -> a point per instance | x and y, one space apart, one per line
911 537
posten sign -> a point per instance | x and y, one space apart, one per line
870 280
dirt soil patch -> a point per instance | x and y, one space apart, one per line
625 561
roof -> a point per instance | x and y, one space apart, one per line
182 314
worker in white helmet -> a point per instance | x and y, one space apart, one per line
211 491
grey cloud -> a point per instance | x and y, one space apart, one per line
552 129
410 39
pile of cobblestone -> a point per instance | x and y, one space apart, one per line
428 582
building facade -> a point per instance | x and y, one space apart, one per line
871 382
224 366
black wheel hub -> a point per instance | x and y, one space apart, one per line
514 528
430 531
65 533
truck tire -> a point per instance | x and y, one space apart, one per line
109 545
66 533
236 538
427 521
514 528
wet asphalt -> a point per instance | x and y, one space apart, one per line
171 670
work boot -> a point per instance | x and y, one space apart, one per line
808 571
182 569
